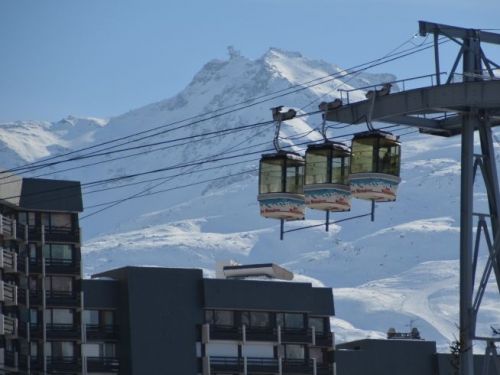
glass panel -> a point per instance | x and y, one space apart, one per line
245 318
60 283
22 217
294 177
108 318
62 221
91 317
61 252
317 354
45 219
224 318
92 350
318 324
260 319
61 316
33 316
63 349
31 218
317 167
34 349
46 251
388 155
362 156
295 352
209 316
294 320
108 350
32 250
338 174
280 319
271 176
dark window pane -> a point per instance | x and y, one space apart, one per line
318 324
295 352
209 316
224 318
108 317
271 176
260 319
245 318
317 167
294 320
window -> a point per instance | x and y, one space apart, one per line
59 316
256 319
290 320
99 317
318 324
101 349
60 349
220 317
59 283
271 176
32 251
91 317
27 218
60 221
294 177
34 349
317 166
317 354
33 316
291 351
56 251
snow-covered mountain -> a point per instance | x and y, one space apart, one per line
398 271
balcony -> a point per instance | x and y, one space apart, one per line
55 266
8 293
8 326
266 366
10 229
102 332
60 331
42 233
296 335
323 339
8 260
103 364
53 298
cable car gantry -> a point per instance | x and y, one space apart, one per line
442 109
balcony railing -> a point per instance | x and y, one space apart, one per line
8 260
296 335
11 229
42 233
103 364
10 359
8 325
275 334
55 265
57 330
61 234
52 298
260 365
102 332
323 339
56 364
8 293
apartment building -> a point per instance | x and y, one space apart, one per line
40 283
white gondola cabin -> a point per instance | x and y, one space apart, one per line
281 193
326 184
375 166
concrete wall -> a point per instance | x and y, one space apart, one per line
160 310
386 357
270 296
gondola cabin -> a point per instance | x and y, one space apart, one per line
375 166
281 193
326 184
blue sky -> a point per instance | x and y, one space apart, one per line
104 57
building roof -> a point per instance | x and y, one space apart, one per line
42 194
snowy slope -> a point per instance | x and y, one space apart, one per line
398 271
